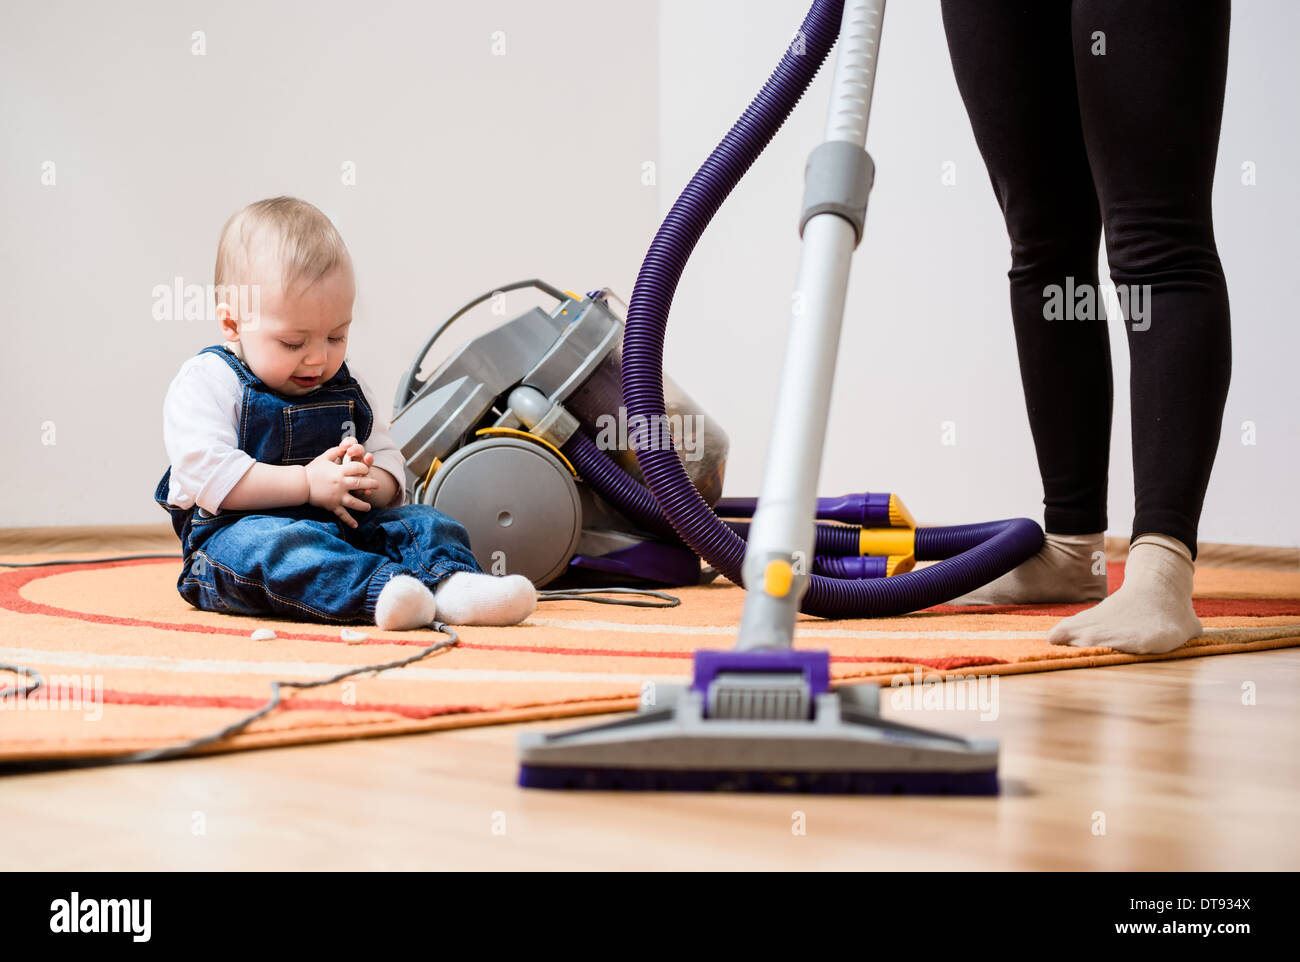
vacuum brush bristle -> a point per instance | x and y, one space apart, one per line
794 782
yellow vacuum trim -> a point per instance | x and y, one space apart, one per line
899 564
516 433
899 516
887 541
778 576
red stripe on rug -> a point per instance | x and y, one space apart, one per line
972 661
249 703
12 582
1204 607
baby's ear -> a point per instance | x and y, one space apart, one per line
226 318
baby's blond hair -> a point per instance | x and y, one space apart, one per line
307 244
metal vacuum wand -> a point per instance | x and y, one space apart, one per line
838 178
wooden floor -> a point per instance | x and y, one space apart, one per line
1164 756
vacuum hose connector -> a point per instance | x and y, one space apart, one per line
549 421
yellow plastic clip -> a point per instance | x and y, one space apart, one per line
778 576
576 297
434 466
899 516
899 564
887 541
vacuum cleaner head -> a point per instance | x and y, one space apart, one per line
760 722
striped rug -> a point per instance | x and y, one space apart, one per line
129 665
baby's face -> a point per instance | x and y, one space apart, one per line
299 340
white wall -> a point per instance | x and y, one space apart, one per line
928 335
472 170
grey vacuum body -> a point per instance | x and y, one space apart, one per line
491 455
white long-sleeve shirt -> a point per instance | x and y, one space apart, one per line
201 433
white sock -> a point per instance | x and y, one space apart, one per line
467 598
404 603
1150 613
1069 567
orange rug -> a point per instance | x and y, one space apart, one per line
129 665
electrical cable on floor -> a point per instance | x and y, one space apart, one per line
26 672
583 594
187 747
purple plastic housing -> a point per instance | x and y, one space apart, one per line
867 508
815 666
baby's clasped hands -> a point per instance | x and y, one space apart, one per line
335 474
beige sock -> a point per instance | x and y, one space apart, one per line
1069 567
1150 613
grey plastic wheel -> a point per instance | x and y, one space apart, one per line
518 502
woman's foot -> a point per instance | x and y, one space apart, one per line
1152 611
466 598
1069 567
404 603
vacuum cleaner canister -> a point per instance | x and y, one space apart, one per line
488 437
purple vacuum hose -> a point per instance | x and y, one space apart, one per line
643 344
615 485
933 542
830 539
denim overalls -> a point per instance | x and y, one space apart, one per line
304 562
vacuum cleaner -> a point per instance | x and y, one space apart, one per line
493 439
522 436
561 445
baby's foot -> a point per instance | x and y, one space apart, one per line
404 603
1069 567
466 598
1152 611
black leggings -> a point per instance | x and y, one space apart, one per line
1075 140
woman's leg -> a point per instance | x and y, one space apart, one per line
1151 106
1015 70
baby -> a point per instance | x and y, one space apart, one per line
284 487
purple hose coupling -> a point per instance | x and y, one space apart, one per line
871 510
860 566
868 509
